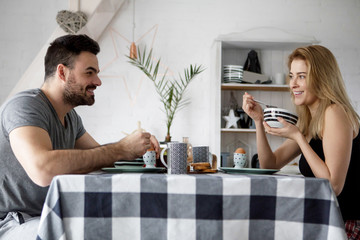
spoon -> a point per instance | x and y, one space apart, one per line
268 106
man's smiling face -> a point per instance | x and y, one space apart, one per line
82 80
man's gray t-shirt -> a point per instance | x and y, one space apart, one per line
30 108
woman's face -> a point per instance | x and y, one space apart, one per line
302 95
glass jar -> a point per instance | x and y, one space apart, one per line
189 150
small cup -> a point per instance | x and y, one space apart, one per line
201 154
280 78
239 160
150 159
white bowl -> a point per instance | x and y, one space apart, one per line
274 124
267 120
285 117
271 115
233 66
295 118
278 112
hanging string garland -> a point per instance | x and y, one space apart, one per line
71 22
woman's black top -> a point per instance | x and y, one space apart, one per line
349 198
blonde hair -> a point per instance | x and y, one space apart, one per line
325 81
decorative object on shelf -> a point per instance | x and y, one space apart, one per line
251 77
231 119
71 22
280 78
235 114
133 52
245 121
252 63
224 111
233 74
171 92
269 81
233 103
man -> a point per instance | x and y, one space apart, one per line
42 136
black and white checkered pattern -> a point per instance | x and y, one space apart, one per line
217 206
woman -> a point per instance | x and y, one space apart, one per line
327 133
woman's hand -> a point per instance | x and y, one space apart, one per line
252 108
288 130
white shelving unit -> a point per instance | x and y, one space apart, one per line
233 49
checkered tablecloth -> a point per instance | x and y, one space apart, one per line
214 206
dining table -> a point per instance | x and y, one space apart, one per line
190 206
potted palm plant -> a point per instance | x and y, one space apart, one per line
171 92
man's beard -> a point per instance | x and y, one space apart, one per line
75 95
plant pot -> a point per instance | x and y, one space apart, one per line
167 138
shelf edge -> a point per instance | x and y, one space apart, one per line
256 87
238 130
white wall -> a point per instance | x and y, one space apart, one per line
25 26
184 34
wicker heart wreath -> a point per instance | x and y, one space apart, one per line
71 22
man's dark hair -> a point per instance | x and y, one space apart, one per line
65 49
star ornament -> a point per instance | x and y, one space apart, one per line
231 120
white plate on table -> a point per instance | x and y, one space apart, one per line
248 170
126 165
133 170
135 161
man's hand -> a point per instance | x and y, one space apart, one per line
155 145
136 144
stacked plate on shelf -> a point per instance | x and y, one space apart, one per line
233 74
